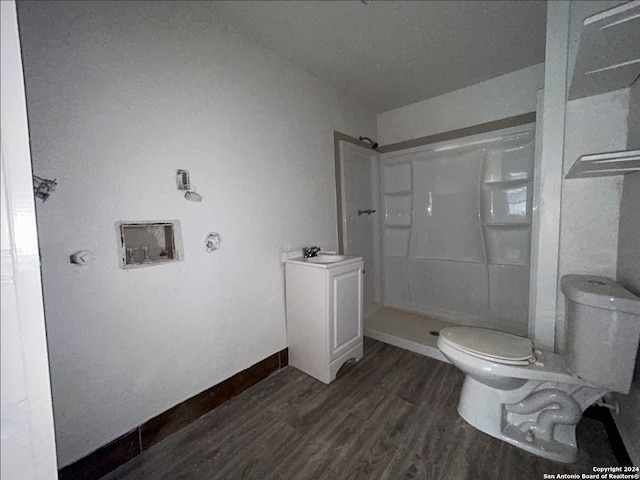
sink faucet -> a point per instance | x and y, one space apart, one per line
310 252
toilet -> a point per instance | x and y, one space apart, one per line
534 398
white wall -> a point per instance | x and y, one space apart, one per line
120 95
628 418
628 268
633 135
28 446
591 207
501 97
590 210
628 275
545 236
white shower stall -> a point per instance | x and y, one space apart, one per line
455 228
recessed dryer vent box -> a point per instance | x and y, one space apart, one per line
142 244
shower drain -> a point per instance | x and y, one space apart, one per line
435 333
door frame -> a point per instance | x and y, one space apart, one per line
28 447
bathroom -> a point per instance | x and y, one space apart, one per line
139 98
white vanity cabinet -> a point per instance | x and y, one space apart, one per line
324 314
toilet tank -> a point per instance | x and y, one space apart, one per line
602 330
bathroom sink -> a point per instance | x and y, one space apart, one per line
324 261
326 258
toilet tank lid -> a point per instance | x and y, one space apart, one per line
599 292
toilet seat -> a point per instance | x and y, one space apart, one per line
491 345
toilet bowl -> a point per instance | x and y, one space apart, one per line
534 398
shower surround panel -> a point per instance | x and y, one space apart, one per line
457 228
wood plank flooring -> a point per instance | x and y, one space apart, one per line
390 416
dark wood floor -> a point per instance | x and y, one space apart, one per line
392 416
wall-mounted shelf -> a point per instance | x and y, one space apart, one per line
608 55
606 164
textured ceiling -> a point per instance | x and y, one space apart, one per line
387 54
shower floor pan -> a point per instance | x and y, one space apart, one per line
408 330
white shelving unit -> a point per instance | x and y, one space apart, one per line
608 59
506 199
605 164
608 55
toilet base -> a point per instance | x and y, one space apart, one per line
539 417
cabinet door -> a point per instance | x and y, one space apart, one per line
345 324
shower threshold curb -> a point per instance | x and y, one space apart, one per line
426 350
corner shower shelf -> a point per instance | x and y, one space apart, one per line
503 240
606 164
506 202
